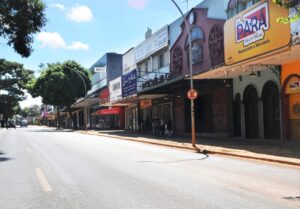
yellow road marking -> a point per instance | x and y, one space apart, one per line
42 180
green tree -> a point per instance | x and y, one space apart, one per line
32 111
14 79
19 21
288 4
61 84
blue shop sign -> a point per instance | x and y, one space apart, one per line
129 84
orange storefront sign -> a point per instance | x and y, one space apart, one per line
255 31
293 86
145 104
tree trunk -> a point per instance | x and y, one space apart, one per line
73 119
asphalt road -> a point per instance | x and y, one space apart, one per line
41 168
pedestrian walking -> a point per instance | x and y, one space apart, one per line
162 127
155 125
169 127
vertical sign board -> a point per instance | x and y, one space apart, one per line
115 89
129 84
255 31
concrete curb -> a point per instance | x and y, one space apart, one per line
206 149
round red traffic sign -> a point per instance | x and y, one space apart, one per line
192 94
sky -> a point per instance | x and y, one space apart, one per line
84 30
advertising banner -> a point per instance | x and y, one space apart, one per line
115 89
129 84
255 31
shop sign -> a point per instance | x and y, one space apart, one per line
129 84
115 89
145 104
128 61
293 87
109 111
154 43
255 31
295 25
100 69
104 96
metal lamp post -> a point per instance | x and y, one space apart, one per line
191 74
85 109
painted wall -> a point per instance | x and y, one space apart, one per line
288 69
206 25
258 82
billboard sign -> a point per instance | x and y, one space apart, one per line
129 84
255 31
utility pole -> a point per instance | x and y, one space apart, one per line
193 130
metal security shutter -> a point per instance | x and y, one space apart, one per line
294 116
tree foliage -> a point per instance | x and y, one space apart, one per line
32 111
14 79
19 21
61 84
288 5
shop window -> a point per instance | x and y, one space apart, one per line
237 6
177 61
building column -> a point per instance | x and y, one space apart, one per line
261 127
243 122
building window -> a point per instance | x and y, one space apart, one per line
161 60
197 39
237 6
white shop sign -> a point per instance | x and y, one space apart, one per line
115 89
156 42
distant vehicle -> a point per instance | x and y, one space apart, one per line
11 124
23 123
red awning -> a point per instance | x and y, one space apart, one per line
112 111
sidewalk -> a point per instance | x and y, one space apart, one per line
267 150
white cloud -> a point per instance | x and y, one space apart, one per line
76 45
59 6
80 13
54 40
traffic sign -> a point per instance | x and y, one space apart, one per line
192 94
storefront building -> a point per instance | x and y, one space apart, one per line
212 106
290 80
129 91
258 56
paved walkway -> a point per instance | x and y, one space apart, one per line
286 152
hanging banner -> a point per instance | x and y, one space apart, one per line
255 31
129 84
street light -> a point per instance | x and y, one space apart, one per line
191 74
85 109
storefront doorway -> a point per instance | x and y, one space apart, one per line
251 112
271 110
237 116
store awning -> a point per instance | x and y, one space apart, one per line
109 111
263 62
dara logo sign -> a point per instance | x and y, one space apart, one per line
253 25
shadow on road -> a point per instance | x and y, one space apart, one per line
3 159
48 130
174 161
